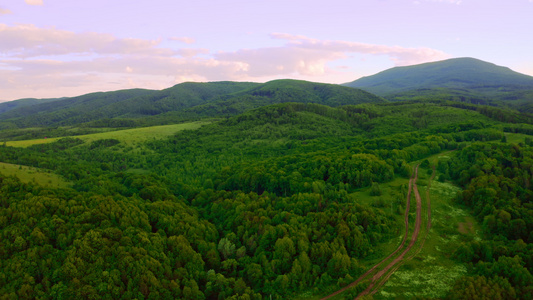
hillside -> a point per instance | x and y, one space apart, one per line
9 105
125 103
463 79
182 102
278 91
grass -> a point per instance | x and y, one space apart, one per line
432 272
35 175
128 137
517 137
391 201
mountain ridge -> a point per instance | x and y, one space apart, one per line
183 101
455 73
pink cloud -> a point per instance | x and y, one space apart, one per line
281 60
29 41
188 52
400 55
5 11
186 40
457 2
34 2
105 62
303 56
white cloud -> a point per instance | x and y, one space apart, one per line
5 11
34 2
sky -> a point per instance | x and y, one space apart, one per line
64 48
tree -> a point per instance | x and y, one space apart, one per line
375 190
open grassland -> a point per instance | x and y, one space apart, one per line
128 136
516 137
30 174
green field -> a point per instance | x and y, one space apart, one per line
30 174
516 137
128 136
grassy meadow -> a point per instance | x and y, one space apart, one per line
128 136
30 174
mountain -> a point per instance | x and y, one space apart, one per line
283 91
469 78
181 102
9 105
123 103
72 107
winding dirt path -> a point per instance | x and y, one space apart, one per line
381 277
412 186
382 282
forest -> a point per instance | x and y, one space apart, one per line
271 198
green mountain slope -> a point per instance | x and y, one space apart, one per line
10 105
482 80
280 91
124 103
183 101
57 111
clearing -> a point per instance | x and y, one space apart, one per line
30 174
127 136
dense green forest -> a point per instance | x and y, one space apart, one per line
275 198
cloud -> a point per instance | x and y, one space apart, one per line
34 2
5 11
29 41
186 40
39 61
309 57
190 52
400 55
457 2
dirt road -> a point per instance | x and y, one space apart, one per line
382 282
379 274
381 277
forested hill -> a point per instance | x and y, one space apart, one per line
280 91
462 79
124 103
9 105
453 73
181 102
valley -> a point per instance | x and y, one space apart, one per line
280 190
